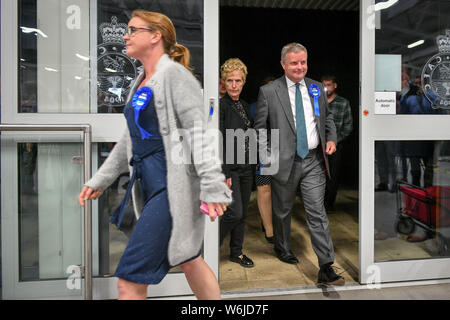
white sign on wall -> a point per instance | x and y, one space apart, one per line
388 72
385 103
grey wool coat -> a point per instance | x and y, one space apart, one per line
179 106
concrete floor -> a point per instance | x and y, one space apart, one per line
269 272
415 292
271 275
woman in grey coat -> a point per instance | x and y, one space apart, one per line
166 99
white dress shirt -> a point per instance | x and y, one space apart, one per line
310 120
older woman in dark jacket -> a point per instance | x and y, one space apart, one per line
235 115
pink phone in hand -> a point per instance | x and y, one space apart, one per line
204 209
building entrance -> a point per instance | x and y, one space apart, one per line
330 32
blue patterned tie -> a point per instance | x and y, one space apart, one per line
302 139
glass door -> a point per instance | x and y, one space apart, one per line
404 141
64 62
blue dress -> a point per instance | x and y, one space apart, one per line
145 257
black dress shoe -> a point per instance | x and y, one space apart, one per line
243 261
327 276
286 257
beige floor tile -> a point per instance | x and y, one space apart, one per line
274 270
429 292
232 285
277 284
398 248
269 272
230 271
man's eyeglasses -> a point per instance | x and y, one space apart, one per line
132 30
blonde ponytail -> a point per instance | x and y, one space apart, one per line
181 54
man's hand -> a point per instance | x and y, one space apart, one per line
331 148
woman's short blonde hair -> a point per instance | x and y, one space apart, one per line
231 65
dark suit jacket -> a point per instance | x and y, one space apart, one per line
230 119
273 111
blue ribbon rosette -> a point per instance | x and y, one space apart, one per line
314 91
140 101
258 168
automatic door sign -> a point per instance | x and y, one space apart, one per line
116 70
436 74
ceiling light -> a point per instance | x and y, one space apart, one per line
384 5
31 30
415 44
50 69
82 57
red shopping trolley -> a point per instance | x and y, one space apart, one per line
425 207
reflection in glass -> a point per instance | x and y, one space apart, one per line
418 34
50 219
115 70
412 199
61 71
54 63
28 213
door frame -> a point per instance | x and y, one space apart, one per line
394 127
175 284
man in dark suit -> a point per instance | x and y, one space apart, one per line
297 106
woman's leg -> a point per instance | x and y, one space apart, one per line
264 199
233 215
131 291
238 232
201 279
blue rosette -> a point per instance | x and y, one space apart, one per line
314 91
139 102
